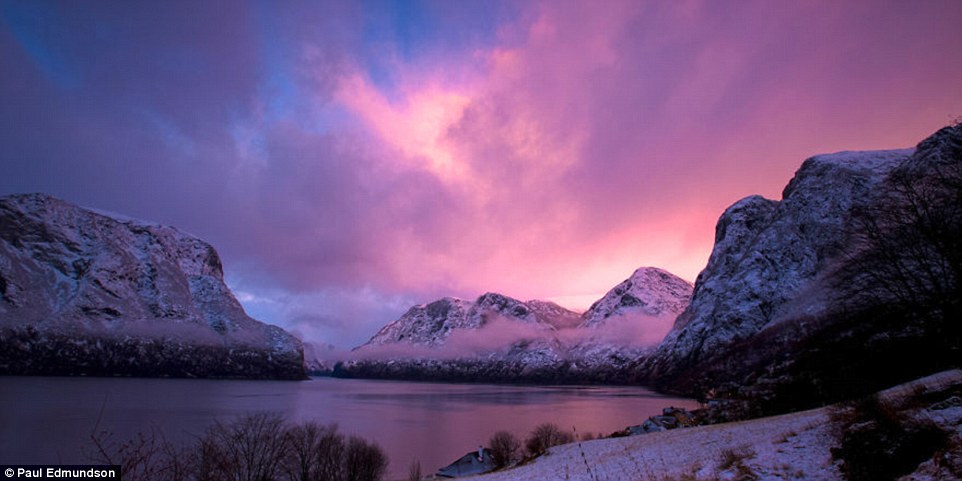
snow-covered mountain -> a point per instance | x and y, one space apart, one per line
550 313
83 292
768 253
425 324
498 338
649 291
799 297
430 325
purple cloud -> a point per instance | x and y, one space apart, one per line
346 157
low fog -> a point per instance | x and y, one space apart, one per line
500 333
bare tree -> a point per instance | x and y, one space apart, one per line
545 436
414 471
252 448
504 448
908 241
144 457
364 461
255 447
314 452
330 455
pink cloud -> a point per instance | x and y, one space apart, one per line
608 138
548 159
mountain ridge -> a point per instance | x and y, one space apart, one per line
82 292
499 338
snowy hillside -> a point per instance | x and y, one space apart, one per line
86 293
795 446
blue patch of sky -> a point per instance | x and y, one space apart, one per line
278 86
250 140
172 135
36 26
410 31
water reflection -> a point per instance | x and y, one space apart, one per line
45 420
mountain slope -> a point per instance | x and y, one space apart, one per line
88 293
799 301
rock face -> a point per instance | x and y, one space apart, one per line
772 298
497 338
649 291
425 324
87 293
768 253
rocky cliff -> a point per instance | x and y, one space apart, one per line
768 253
89 293
793 300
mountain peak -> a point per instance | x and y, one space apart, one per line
649 291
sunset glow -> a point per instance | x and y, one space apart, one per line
350 159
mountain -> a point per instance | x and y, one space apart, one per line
649 291
498 338
425 324
841 287
89 293
768 253
431 325
554 315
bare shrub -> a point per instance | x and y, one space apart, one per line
880 442
504 448
545 436
364 461
315 452
255 447
145 457
252 448
910 240
414 471
734 460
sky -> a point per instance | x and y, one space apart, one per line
351 159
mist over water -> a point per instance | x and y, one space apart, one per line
630 329
49 420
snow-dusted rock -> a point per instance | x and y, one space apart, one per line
622 326
767 253
425 324
86 293
775 284
430 325
554 315
649 292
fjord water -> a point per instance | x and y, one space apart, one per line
50 419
